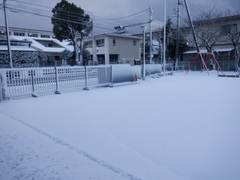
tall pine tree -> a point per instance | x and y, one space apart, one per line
70 23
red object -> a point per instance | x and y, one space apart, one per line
209 56
135 77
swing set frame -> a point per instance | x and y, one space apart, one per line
210 56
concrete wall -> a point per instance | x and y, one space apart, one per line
126 48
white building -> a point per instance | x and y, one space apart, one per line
114 48
30 41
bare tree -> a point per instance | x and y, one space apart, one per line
207 28
213 27
235 39
233 33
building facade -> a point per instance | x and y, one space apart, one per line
32 48
114 49
214 35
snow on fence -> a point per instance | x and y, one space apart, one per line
32 81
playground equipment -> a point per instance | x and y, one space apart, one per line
199 54
210 57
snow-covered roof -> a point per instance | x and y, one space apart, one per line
17 48
37 44
119 35
62 46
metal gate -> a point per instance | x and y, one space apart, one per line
33 81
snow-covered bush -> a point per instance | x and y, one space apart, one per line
20 59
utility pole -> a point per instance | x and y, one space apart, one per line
177 36
8 38
164 37
195 37
93 46
192 27
143 67
150 28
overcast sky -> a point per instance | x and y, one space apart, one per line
99 10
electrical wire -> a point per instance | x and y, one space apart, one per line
37 5
113 19
101 23
47 16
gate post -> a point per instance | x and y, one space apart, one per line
56 79
33 88
111 77
5 93
86 79
2 91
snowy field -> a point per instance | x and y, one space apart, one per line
170 128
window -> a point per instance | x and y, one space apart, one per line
88 44
114 42
50 45
101 59
100 43
19 34
45 36
2 33
113 58
229 29
134 42
32 35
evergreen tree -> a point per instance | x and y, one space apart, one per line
183 46
70 23
171 41
168 35
168 30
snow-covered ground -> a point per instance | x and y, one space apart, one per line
172 128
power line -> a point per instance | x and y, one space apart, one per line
41 11
47 16
112 19
32 4
71 14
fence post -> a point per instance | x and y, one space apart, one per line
111 76
86 79
1 88
33 88
56 79
5 84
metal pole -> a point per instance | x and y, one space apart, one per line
195 38
93 46
161 54
151 43
81 50
8 38
192 27
57 80
164 37
86 79
144 68
177 40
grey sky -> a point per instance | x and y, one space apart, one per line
107 9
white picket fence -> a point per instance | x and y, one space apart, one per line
33 81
